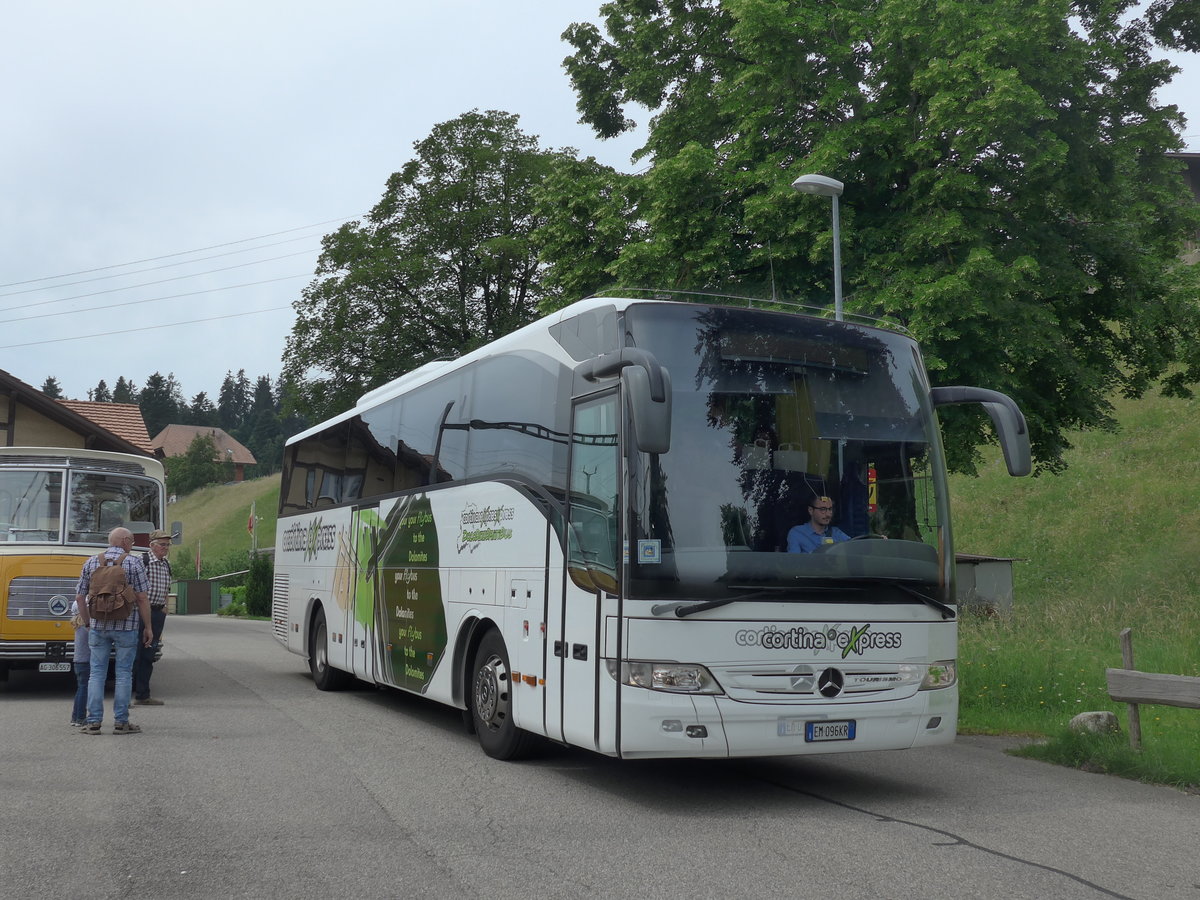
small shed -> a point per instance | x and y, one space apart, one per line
985 582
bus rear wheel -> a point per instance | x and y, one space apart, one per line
325 676
491 702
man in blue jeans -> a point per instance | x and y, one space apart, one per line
122 634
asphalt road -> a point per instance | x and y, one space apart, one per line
251 783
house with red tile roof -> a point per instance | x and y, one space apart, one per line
124 419
174 440
29 418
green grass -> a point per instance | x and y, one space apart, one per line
215 518
1111 543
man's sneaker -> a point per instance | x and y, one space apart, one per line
149 701
126 728
90 728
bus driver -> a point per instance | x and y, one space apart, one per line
817 531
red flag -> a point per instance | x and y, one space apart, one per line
250 524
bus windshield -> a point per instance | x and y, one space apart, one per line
32 505
774 414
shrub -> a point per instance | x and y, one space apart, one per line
237 609
258 585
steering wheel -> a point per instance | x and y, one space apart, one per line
869 537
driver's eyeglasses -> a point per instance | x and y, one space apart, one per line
822 508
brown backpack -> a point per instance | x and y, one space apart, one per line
109 595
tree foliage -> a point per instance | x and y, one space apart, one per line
161 402
124 391
1175 23
51 388
258 585
100 393
233 402
201 411
197 467
443 263
1007 195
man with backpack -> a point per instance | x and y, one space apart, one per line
158 573
114 605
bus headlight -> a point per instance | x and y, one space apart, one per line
683 678
941 674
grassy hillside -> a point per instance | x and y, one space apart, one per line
215 518
1111 543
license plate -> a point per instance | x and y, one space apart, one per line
829 731
54 667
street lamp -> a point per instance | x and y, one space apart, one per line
828 187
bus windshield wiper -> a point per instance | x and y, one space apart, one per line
946 610
687 609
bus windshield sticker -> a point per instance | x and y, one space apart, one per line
649 551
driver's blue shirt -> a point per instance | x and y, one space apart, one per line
802 538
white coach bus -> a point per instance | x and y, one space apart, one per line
580 531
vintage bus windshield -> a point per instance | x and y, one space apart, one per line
767 417
33 503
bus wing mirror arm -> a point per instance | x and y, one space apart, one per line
647 390
611 364
1007 418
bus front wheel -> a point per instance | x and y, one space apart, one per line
325 676
491 702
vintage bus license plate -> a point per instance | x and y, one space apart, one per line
829 731
54 667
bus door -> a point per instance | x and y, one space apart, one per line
358 560
591 569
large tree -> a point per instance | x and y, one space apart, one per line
201 411
161 402
233 401
51 388
442 264
262 432
100 393
124 391
1007 194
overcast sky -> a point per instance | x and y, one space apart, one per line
167 162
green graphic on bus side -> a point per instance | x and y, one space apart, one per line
370 526
409 594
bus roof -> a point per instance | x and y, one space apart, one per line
530 334
430 370
62 456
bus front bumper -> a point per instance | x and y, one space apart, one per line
676 725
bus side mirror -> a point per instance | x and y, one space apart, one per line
1007 419
647 389
651 418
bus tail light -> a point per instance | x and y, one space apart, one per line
681 678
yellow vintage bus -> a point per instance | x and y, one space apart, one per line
57 507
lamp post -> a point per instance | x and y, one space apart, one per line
828 187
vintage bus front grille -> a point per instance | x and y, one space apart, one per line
40 597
